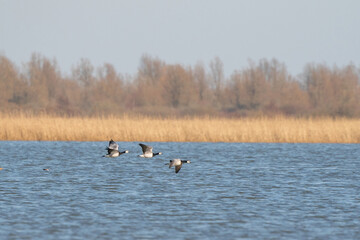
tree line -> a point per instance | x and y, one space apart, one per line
158 88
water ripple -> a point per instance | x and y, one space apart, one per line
229 191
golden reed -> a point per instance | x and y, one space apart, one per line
279 129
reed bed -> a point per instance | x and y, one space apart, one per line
188 129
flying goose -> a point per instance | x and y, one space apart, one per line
147 151
113 150
177 163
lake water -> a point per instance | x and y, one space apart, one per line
229 191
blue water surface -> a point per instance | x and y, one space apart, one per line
229 191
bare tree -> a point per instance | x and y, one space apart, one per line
108 91
12 88
43 79
217 76
148 82
333 91
200 81
83 73
175 84
237 91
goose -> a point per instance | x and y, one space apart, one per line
147 151
113 150
177 163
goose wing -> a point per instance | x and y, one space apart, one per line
177 168
146 148
113 145
110 151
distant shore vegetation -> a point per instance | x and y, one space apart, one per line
264 88
172 102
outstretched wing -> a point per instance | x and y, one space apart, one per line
146 148
111 150
113 145
177 168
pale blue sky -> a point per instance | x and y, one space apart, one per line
295 32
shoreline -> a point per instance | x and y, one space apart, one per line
278 129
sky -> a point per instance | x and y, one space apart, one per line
187 32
